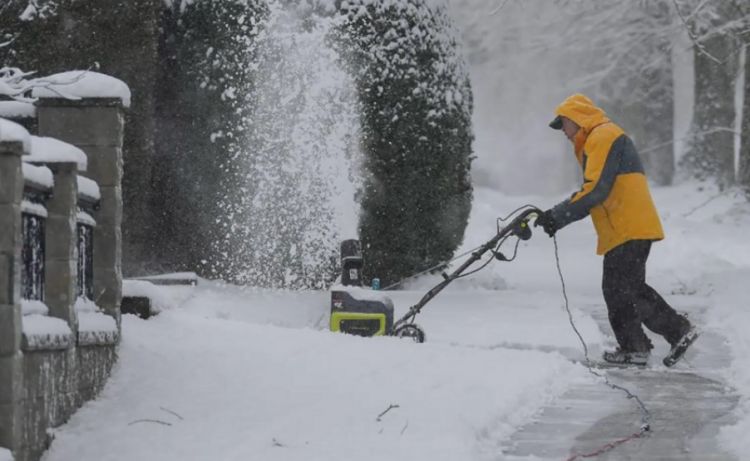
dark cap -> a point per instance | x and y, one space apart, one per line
556 124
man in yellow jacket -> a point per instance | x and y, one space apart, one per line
616 195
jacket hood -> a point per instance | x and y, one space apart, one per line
582 111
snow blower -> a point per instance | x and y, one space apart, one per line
365 312
354 309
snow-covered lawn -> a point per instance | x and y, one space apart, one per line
229 373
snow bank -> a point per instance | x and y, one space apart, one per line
88 188
83 84
51 150
13 132
40 175
17 109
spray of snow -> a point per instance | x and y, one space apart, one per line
301 158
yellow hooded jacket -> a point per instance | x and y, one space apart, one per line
615 191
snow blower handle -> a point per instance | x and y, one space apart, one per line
519 227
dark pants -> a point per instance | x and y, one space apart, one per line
631 302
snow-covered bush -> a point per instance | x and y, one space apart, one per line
416 122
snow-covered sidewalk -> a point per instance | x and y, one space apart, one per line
191 387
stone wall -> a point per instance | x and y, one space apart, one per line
44 378
11 360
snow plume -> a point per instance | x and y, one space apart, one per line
299 162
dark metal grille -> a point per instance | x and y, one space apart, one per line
85 287
32 255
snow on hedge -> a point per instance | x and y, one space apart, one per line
40 175
13 132
5 455
78 84
51 150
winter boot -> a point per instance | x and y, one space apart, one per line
679 348
620 357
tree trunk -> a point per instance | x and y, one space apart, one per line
744 173
711 150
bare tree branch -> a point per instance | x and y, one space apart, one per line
692 36
155 421
390 407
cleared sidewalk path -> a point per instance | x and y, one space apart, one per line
688 405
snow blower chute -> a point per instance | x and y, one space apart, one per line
365 312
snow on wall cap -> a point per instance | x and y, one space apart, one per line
17 109
77 84
51 150
13 132
88 188
40 175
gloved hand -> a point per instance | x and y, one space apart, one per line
547 222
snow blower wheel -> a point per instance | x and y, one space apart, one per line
410 330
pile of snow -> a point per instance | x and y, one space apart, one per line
17 109
39 175
51 150
79 84
13 132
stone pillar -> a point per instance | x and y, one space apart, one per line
95 125
61 250
11 375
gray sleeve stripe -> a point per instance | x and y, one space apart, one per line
631 161
622 158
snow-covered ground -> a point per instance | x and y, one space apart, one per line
234 374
